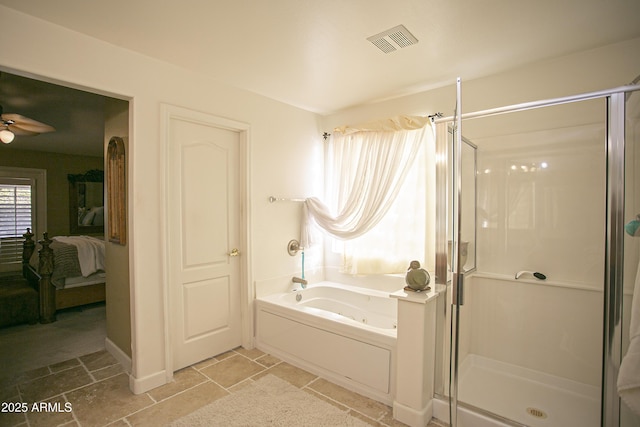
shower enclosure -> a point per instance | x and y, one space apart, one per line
537 188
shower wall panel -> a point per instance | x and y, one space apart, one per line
541 204
548 328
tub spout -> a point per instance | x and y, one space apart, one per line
302 282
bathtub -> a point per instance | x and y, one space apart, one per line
342 333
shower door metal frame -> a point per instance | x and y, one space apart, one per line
613 284
614 254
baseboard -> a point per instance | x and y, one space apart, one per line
123 358
136 385
142 385
413 417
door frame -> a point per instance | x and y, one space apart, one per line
167 113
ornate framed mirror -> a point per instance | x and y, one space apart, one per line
117 191
86 202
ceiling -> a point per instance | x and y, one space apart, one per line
314 54
77 116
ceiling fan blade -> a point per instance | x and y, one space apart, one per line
26 124
21 132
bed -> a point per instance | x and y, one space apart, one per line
67 271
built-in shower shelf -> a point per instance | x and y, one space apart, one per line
532 281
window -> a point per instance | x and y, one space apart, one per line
400 236
15 218
21 193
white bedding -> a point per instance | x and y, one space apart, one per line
79 261
90 252
78 281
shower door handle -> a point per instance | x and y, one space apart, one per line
457 287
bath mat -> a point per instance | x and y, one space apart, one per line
269 401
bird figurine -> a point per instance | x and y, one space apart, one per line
417 279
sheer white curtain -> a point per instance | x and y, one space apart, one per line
375 194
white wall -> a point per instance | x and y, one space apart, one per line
285 160
597 69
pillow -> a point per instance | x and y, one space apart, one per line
88 218
99 218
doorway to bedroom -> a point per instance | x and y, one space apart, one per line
83 123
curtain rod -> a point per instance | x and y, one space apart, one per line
285 199
539 104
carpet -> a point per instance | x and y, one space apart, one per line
269 401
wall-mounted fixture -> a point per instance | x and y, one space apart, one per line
293 247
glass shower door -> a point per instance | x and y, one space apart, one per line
528 330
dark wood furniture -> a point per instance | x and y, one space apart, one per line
52 298
19 302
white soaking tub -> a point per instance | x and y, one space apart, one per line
343 333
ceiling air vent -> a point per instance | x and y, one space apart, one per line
393 39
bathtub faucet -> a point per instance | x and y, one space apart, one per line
302 282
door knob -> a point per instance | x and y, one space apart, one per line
234 252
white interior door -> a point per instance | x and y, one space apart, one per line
204 237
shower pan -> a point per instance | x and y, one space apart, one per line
535 188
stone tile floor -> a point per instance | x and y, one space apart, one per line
93 390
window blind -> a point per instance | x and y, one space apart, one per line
15 217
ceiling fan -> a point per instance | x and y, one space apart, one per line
14 124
